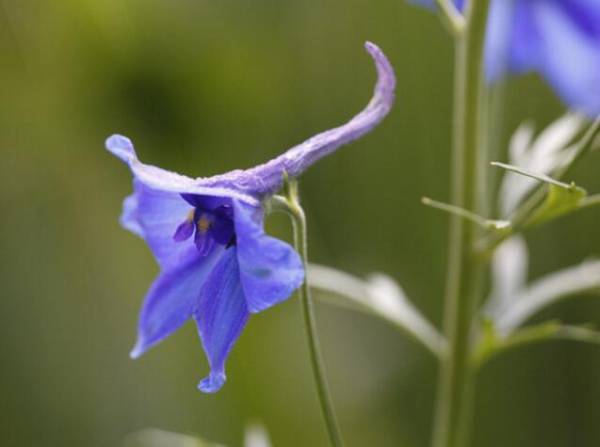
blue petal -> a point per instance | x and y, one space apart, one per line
586 13
267 178
501 29
162 180
524 37
270 269
155 216
172 298
221 316
571 58
129 217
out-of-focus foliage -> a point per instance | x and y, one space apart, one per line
205 86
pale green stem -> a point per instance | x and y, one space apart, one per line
539 177
488 224
451 209
464 276
316 359
451 16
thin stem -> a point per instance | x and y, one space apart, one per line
539 177
465 271
466 214
451 16
310 325
461 212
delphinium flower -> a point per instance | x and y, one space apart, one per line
560 39
217 265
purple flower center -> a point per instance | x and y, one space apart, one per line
210 222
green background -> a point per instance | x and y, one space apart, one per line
204 86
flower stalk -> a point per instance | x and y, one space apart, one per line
451 16
465 270
291 204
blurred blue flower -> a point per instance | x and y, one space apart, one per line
217 264
560 39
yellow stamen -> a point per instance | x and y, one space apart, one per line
203 224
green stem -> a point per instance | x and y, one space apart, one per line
451 16
465 271
308 314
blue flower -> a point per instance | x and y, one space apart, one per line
560 39
217 265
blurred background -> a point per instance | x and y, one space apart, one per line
202 87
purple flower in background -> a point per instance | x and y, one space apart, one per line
217 265
560 39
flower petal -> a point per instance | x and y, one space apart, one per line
500 32
221 316
524 39
270 269
267 178
172 298
156 215
162 180
129 217
571 57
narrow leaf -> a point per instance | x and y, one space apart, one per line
380 296
546 291
492 343
488 224
509 274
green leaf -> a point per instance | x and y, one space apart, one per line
545 291
492 343
559 201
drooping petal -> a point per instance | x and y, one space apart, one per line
162 180
221 315
172 298
158 215
129 216
267 178
270 269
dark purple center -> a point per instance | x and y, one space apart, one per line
210 222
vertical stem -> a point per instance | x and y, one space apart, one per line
310 325
465 271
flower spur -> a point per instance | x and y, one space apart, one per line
217 265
